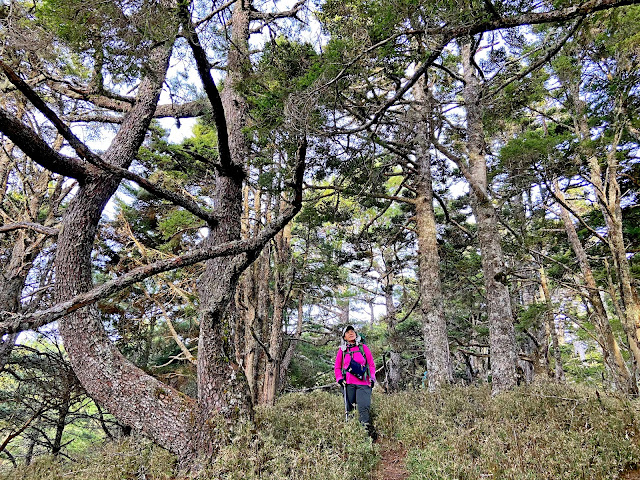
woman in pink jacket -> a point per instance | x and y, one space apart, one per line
355 371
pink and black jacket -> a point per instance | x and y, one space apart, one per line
343 357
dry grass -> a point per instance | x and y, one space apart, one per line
536 432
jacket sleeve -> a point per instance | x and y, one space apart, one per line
370 363
337 368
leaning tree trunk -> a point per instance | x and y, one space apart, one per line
608 194
613 359
434 325
502 340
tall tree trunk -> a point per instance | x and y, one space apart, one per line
253 301
222 385
434 325
393 366
282 289
502 341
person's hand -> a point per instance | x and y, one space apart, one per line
341 382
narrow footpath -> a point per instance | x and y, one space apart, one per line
392 463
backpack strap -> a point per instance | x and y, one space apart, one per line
366 366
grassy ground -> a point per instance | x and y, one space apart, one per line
536 432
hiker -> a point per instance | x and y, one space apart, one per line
356 373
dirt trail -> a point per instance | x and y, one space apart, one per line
631 475
391 466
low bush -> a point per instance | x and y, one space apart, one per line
543 431
302 437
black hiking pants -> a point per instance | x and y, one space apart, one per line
360 395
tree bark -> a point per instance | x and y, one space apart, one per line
222 385
282 289
434 325
502 341
551 327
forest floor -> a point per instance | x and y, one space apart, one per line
392 461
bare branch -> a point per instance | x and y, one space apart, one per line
541 61
215 12
268 17
82 150
30 226
448 217
559 15
459 161
10 322
372 195
404 89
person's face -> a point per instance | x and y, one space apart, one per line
350 336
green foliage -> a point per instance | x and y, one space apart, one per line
535 148
114 36
312 365
587 371
286 70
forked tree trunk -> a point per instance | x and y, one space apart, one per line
222 385
134 397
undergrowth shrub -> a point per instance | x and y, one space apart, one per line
133 458
303 437
543 431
